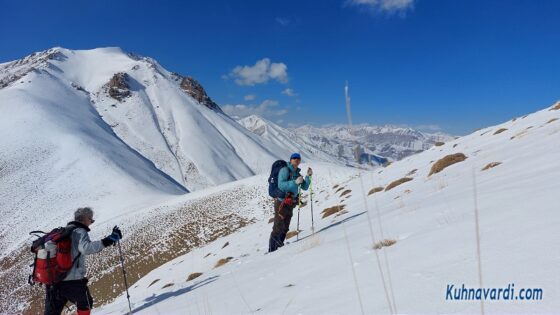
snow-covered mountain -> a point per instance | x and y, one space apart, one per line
392 142
358 146
392 240
167 118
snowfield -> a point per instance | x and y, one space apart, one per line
428 222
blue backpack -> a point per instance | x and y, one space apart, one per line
273 189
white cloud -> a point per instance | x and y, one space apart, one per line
289 92
250 97
261 72
283 21
268 109
387 6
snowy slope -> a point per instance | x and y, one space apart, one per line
431 218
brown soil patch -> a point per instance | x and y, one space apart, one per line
332 210
374 190
346 192
556 107
446 161
194 275
384 243
491 165
223 261
291 234
412 172
397 183
500 131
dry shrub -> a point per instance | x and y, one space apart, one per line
553 119
490 165
397 183
439 144
556 107
194 275
153 282
291 234
412 172
223 261
346 192
167 285
500 131
332 210
446 161
270 220
384 243
374 190
226 244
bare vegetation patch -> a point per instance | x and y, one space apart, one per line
397 183
384 243
500 131
222 262
374 190
491 165
194 275
446 161
346 192
412 172
332 210
291 234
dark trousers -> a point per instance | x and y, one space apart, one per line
75 291
282 217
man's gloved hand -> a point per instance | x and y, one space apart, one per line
309 171
299 180
115 236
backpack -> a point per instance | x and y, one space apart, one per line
53 255
273 189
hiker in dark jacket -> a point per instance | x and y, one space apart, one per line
73 287
289 181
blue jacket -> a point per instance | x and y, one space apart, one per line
287 180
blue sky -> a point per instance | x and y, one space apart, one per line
454 65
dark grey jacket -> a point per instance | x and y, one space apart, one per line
81 247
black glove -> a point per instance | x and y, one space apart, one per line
115 236
309 171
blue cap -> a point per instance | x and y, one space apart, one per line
295 156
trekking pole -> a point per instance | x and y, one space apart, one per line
311 197
124 276
298 208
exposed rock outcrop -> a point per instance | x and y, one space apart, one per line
118 87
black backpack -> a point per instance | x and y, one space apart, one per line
273 189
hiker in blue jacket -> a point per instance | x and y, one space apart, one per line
289 180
